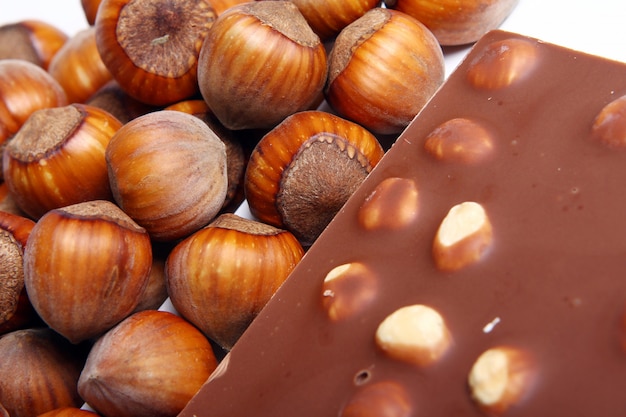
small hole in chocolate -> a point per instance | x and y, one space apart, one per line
362 377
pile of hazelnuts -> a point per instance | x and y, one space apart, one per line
132 150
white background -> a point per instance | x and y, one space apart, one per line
597 27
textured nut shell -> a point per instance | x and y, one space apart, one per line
57 158
16 310
150 365
277 150
113 99
236 158
261 62
222 276
39 371
31 40
85 267
77 66
24 88
328 18
384 67
167 170
152 47
456 22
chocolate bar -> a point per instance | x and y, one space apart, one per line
479 269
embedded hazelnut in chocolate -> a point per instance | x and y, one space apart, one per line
503 63
609 127
391 206
348 289
499 377
380 399
416 334
463 237
461 140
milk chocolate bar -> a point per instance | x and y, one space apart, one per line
479 270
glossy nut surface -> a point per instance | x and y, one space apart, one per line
151 47
303 171
85 267
223 275
260 63
383 68
58 158
167 170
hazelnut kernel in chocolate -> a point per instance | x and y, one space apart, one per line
416 334
393 205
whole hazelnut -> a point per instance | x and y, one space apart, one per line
85 268
150 365
151 47
57 158
39 371
458 22
327 18
16 311
236 158
167 171
223 275
25 88
383 68
304 170
260 63
77 66
31 40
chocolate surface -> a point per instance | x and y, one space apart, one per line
523 129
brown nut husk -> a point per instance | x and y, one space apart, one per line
150 365
39 372
85 268
223 275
